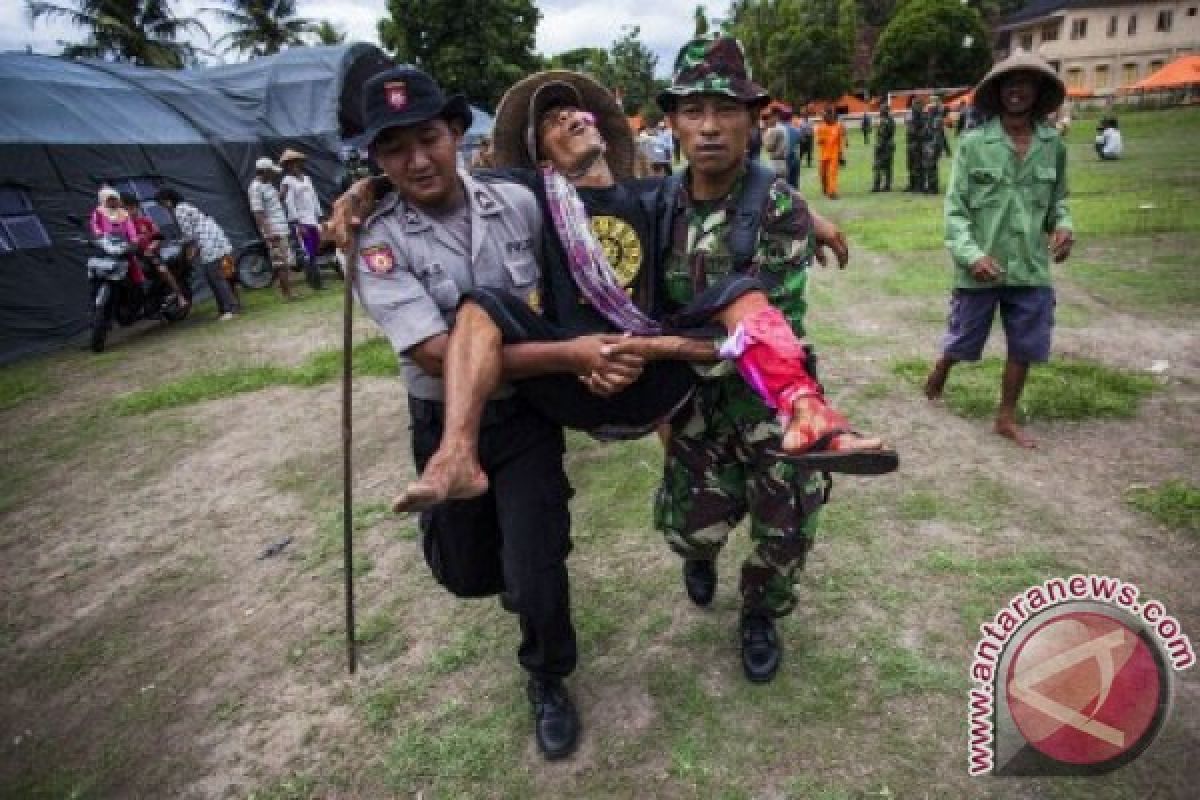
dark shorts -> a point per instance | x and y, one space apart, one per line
661 390
1027 314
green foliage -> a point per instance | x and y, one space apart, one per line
479 48
325 32
923 45
261 27
1063 390
593 61
144 32
1175 504
372 357
801 49
633 65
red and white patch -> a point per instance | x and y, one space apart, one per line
379 259
396 93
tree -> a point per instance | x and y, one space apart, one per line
144 32
477 47
593 61
800 50
261 27
633 70
931 43
328 33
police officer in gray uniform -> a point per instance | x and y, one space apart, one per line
439 234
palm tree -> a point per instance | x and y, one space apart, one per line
328 33
261 27
143 32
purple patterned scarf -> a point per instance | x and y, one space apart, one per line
585 259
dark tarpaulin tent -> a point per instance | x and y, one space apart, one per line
68 127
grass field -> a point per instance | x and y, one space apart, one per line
148 650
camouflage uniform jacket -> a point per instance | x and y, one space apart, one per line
885 139
700 257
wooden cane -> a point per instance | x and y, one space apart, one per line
348 270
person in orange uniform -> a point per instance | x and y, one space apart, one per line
831 144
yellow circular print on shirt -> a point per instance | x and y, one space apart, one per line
621 246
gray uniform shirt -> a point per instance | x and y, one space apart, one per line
412 272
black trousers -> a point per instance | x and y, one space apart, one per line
661 389
513 540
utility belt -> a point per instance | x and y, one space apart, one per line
433 412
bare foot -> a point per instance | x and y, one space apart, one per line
935 383
445 478
812 419
795 443
1009 430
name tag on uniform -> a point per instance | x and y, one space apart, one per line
379 259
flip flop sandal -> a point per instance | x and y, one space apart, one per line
822 426
820 458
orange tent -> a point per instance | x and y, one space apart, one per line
962 101
1179 74
1077 92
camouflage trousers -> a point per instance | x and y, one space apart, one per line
720 468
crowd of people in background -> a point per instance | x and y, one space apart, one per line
287 212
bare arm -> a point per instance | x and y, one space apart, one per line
581 356
667 348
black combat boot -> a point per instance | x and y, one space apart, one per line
761 650
700 580
555 720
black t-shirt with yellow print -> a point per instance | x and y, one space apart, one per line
624 228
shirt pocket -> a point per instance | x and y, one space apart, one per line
441 287
522 270
983 186
1044 180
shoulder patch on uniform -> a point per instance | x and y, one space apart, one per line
378 259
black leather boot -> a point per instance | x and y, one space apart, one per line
761 650
700 580
556 722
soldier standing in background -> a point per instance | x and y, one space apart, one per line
915 127
933 145
885 149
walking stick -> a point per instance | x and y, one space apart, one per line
348 270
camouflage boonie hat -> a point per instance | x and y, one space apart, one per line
712 64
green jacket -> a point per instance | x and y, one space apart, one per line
996 206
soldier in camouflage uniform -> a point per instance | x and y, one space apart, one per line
933 145
916 130
885 149
722 462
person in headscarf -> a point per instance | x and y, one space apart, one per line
110 218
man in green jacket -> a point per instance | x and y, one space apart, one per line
1006 216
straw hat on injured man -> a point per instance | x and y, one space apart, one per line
521 105
291 155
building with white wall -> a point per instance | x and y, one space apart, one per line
1098 46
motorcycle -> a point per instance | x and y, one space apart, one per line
254 269
116 298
